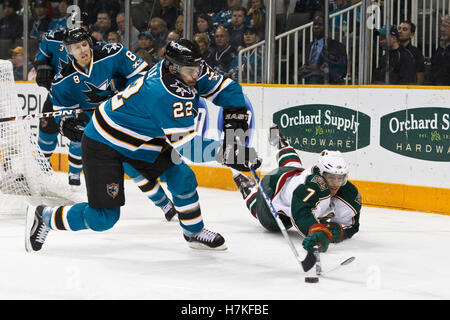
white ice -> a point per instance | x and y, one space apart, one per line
399 255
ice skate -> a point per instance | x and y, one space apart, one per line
35 229
244 184
206 240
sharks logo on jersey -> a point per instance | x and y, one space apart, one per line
99 94
181 89
112 47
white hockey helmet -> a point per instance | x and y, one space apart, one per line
332 162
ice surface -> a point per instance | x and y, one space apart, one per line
399 255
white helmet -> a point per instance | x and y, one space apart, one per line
332 162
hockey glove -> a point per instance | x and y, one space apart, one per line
44 74
235 118
71 128
321 235
238 157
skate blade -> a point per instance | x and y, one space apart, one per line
201 246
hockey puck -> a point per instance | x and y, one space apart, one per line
312 279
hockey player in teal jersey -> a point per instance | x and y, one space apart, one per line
50 59
143 125
106 68
319 202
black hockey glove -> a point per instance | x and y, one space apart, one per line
235 118
71 128
44 74
233 153
238 157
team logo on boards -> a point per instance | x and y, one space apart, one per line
314 127
112 189
421 133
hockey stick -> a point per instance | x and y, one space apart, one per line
319 271
47 114
310 260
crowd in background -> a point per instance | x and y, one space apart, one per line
221 28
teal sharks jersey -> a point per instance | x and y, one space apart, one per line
158 109
112 66
52 49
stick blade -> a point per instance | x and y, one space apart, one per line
309 261
348 261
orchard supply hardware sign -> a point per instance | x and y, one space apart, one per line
315 127
421 133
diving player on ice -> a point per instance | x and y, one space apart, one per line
319 202
143 125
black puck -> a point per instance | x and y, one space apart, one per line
312 279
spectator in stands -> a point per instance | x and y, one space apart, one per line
251 61
17 59
223 54
223 17
159 31
61 21
134 32
236 28
321 63
11 25
309 6
39 23
145 43
179 25
347 19
168 13
440 60
204 45
204 25
402 66
113 37
104 23
95 33
210 7
93 7
173 36
406 31
256 16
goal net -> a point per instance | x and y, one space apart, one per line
25 174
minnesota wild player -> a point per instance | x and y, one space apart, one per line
319 202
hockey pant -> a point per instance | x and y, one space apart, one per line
104 175
256 203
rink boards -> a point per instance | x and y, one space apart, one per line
395 139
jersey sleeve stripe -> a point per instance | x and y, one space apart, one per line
45 54
223 85
139 69
122 137
178 139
